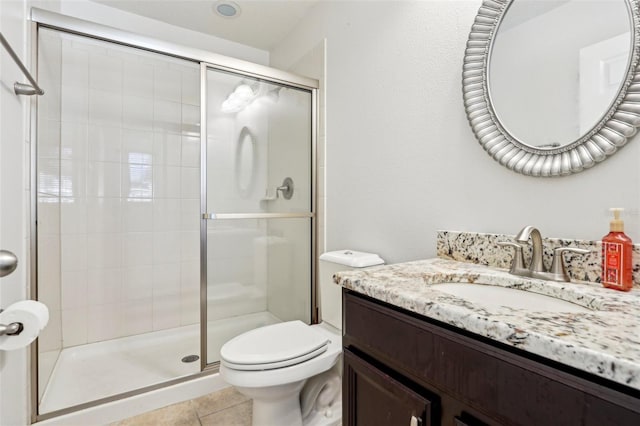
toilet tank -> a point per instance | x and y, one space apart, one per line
330 294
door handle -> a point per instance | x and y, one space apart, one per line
8 263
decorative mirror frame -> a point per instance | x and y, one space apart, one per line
613 131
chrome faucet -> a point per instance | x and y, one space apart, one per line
536 268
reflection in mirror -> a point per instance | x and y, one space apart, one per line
557 66
246 160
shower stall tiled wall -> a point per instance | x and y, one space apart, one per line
118 191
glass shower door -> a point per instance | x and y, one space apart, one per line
257 207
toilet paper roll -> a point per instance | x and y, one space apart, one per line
33 316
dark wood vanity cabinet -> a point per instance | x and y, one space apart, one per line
404 369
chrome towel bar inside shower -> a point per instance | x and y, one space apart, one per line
21 88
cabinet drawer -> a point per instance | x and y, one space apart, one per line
372 397
507 387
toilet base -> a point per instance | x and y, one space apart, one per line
275 405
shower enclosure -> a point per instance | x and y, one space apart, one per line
173 209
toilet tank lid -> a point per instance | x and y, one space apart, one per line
352 258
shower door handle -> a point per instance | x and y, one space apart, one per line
8 263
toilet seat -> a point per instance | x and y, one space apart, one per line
274 346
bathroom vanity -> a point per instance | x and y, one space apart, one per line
416 356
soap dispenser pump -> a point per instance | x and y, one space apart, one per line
617 250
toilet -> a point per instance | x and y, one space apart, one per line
292 370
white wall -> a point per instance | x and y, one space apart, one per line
402 160
14 207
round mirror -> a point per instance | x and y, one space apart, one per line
547 84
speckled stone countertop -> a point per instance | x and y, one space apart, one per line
604 341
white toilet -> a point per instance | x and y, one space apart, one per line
291 370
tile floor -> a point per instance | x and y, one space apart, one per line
224 408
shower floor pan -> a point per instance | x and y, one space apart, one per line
98 370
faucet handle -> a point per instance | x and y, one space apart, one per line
518 259
558 268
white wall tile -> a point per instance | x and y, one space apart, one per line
191 87
104 286
166 247
74 252
137 112
105 143
104 251
137 146
166 312
104 322
48 215
103 179
167 116
51 337
190 119
49 176
166 214
48 138
73 141
190 151
137 182
137 317
137 283
166 279
138 79
166 182
49 270
105 72
104 215
167 84
190 249
167 149
74 289
74 104
74 327
190 215
138 249
190 182
105 107
137 215
73 216
73 178
189 300
74 67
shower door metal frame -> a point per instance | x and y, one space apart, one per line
45 19
206 215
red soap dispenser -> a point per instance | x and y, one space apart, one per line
617 250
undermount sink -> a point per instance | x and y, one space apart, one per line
495 296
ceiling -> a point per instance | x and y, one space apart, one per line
261 23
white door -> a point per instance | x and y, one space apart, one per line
602 70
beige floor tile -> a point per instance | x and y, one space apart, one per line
238 415
217 401
182 414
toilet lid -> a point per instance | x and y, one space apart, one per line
273 346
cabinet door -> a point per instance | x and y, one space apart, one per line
373 398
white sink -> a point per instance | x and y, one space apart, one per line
494 296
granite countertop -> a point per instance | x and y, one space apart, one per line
604 341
